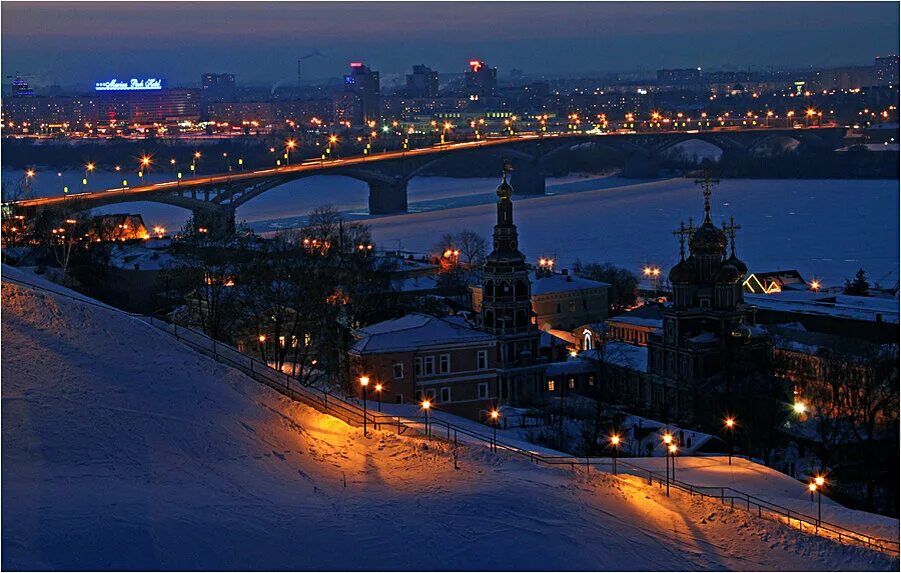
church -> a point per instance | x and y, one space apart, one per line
709 335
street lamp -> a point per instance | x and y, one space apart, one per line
427 405
364 382
672 452
378 389
817 486
88 169
143 166
653 273
799 407
730 426
495 419
289 146
194 162
667 441
614 443
29 173
815 285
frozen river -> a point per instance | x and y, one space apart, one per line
826 229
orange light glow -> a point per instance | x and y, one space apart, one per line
364 380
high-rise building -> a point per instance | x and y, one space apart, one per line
423 82
480 80
506 310
21 88
887 70
685 78
217 87
363 83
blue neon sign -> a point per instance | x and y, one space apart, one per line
134 84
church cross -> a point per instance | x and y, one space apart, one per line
707 182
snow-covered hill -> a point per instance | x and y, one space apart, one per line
121 449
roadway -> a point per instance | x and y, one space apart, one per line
320 165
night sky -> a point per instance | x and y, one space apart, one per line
76 43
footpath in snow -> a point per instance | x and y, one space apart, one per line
122 449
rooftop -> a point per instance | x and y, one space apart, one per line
869 309
558 282
415 331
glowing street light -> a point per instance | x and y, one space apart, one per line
815 285
378 389
426 406
730 427
667 441
652 273
29 173
614 443
799 407
817 486
289 146
495 419
145 165
364 383
194 161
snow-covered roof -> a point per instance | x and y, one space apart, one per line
140 258
554 337
415 284
562 283
414 331
629 356
841 306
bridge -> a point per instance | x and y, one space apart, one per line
214 198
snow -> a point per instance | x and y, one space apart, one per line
773 486
122 449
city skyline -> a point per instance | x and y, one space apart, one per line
262 43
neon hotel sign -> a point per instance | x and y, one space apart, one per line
134 84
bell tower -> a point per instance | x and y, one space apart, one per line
507 303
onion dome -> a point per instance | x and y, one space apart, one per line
683 273
504 190
737 263
727 274
708 240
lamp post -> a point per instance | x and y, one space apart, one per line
667 441
653 273
378 390
495 418
364 382
817 486
145 165
672 452
29 173
427 405
289 146
194 162
614 443
88 169
730 426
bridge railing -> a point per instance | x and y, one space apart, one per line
349 410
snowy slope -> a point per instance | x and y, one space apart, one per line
121 449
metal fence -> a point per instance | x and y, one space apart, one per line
349 410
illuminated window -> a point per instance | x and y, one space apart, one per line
550 385
571 383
